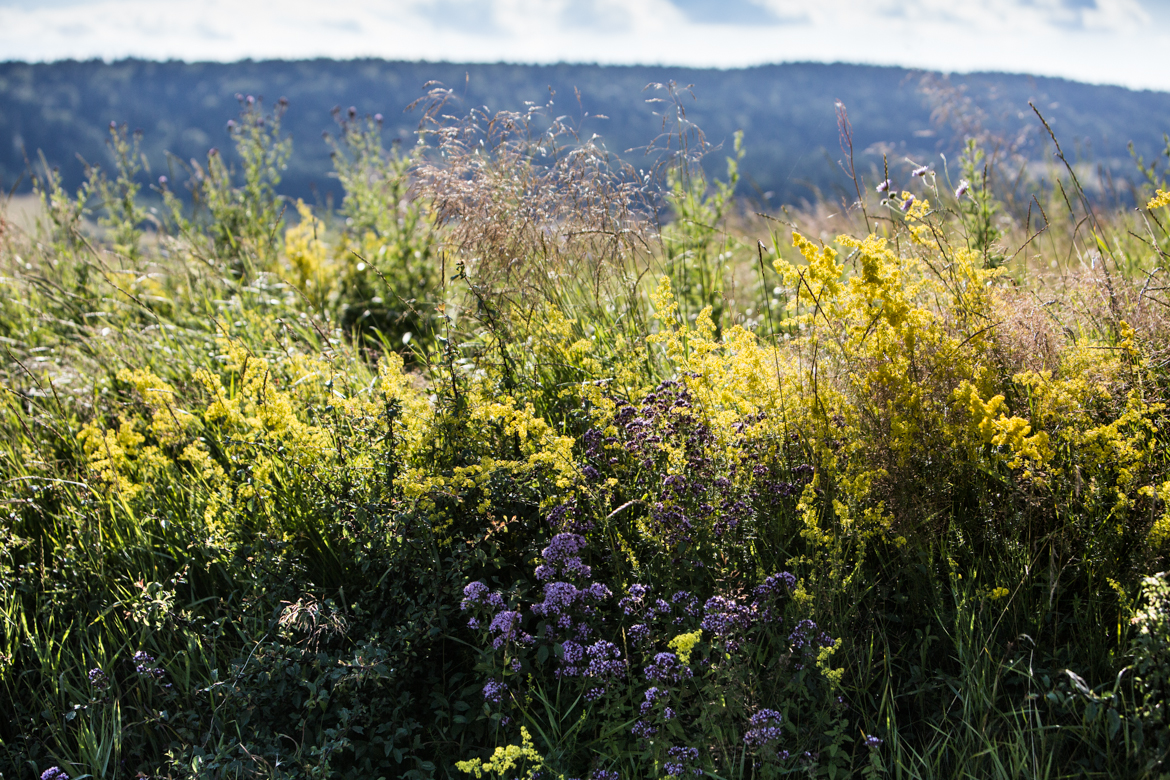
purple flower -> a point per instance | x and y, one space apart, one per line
605 660
634 601
643 729
559 597
885 186
162 180
593 694
55 772
920 171
638 633
505 626
961 190
473 594
667 668
685 601
563 552
378 118
764 727
680 760
775 582
652 695
907 203
872 742
494 691
97 678
473 624
604 774
724 616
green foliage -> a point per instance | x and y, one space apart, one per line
589 522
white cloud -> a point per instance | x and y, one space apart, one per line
1101 41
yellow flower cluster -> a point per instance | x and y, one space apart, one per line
684 644
1161 198
522 758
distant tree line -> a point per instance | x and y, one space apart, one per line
787 113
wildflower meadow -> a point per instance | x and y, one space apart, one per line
526 460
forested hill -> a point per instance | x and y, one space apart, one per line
63 110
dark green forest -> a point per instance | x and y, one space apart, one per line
787 113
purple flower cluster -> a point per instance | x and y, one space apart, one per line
560 598
681 760
763 729
723 616
666 668
98 678
872 742
652 695
505 628
567 518
600 660
635 600
145 666
54 773
494 691
562 558
804 636
478 593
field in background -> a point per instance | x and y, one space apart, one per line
524 462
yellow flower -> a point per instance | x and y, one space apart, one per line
1160 199
684 644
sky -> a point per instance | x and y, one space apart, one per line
1123 42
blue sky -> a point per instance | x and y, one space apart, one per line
1122 42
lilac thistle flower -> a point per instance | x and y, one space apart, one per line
494 691
505 626
593 694
781 582
724 616
962 189
162 181
473 594
907 203
378 118
680 760
643 729
564 553
54 773
667 668
635 600
652 695
638 633
921 171
764 727
605 660
885 186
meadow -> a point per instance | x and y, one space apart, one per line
527 463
